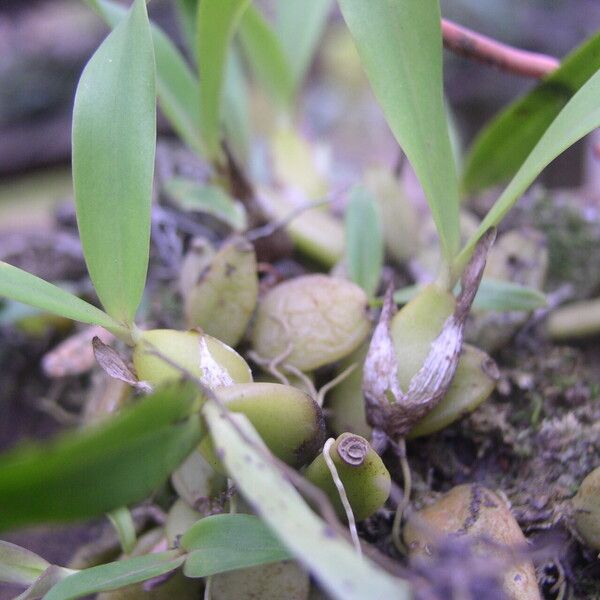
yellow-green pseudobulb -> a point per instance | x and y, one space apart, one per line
289 422
278 581
311 321
480 514
366 480
183 348
223 299
413 329
586 509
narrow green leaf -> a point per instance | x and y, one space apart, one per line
176 84
90 472
208 199
187 13
217 21
406 294
580 116
266 56
505 296
20 566
45 582
122 521
493 294
114 138
236 121
221 543
112 576
328 556
501 148
300 42
364 240
23 287
400 45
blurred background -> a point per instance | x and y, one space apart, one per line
44 44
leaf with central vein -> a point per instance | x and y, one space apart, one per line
217 20
266 56
221 543
502 147
27 288
18 565
493 294
400 45
89 472
579 117
115 575
114 137
176 84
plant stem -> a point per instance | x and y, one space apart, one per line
471 44
400 449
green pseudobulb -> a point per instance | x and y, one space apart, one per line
289 422
311 321
413 329
183 348
366 480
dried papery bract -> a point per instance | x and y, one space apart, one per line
113 365
390 409
473 382
183 348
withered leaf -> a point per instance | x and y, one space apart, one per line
114 365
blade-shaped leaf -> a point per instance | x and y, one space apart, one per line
580 116
221 543
45 582
93 471
329 557
20 566
23 287
300 42
400 45
236 121
266 56
364 240
500 149
114 138
493 294
115 575
176 84
187 11
122 521
217 20
208 199
505 296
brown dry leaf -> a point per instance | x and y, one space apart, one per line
114 365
